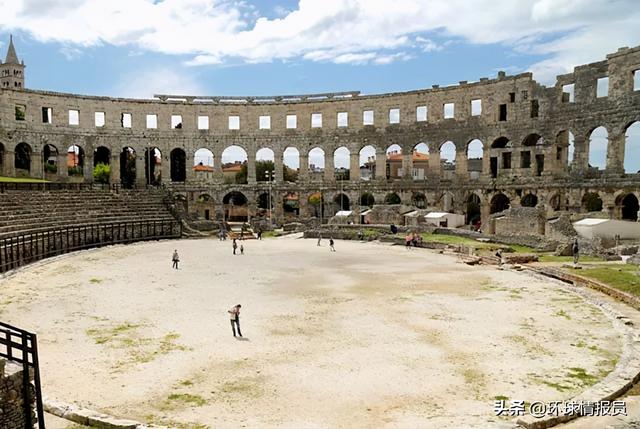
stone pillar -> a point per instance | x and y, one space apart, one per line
354 167
114 168
62 174
141 177
218 176
486 163
87 166
165 167
251 167
278 165
278 209
435 168
615 154
580 154
304 204
462 165
190 173
303 171
407 166
36 165
381 165
329 169
9 168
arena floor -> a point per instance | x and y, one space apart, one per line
372 335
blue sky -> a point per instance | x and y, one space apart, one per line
136 48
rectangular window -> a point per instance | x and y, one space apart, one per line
125 120
512 97
449 110
524 94
234 122
292 122
203 122
476 107
343 119
99 119
506 160
636 80
394 116
176 122
525 159
47 115
152 121
602 87
568 93
21 112
421 114
316 120
367 117
535 108
264 122
502 113
74 117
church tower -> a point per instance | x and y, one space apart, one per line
12 70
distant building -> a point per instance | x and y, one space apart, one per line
420 165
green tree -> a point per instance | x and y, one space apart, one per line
289 174
101 173
261 169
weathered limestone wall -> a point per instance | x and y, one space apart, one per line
11 397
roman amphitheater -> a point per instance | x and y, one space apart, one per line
96 193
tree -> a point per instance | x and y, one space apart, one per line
316 201
261 169
289 174
101 173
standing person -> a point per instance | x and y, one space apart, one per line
575 249
407 242
259 234
499 256
331 245
242 249
175 259
319 239
235 246
235 319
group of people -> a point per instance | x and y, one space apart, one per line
412 240
235 247
332 246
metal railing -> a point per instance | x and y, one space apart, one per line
26 248
20 346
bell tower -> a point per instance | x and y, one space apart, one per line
12 70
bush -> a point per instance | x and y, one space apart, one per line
101 173
75 171
50 168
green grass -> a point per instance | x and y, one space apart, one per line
623 277
187 398
21 180
269 234
548 257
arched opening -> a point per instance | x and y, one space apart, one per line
394 162
475 153
555 202
533 140
448 159
499 203
316 163
265 165
531 158
628 207
265 204
473 213
205 207
420 161
341 163
178 160
316 202
101 155
291 205
501 143
50 159
591 202
234 165
529 200
632 149
203 164
128 167
23 158
367 199
75 161
367 163
153 166
342 202
419 200
565 148
236 208
598 144
290 164
392 198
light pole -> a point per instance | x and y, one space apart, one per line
269 175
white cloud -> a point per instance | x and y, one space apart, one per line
146 83
568 32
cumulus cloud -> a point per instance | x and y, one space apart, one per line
147 83
566 32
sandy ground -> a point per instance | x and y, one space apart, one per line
369 336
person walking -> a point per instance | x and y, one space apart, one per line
259 234
575 250
331 245
234 314
319 239
242 249
235 246
175 259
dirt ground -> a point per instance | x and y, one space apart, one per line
369 336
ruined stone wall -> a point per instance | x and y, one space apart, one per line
534 135
11 397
